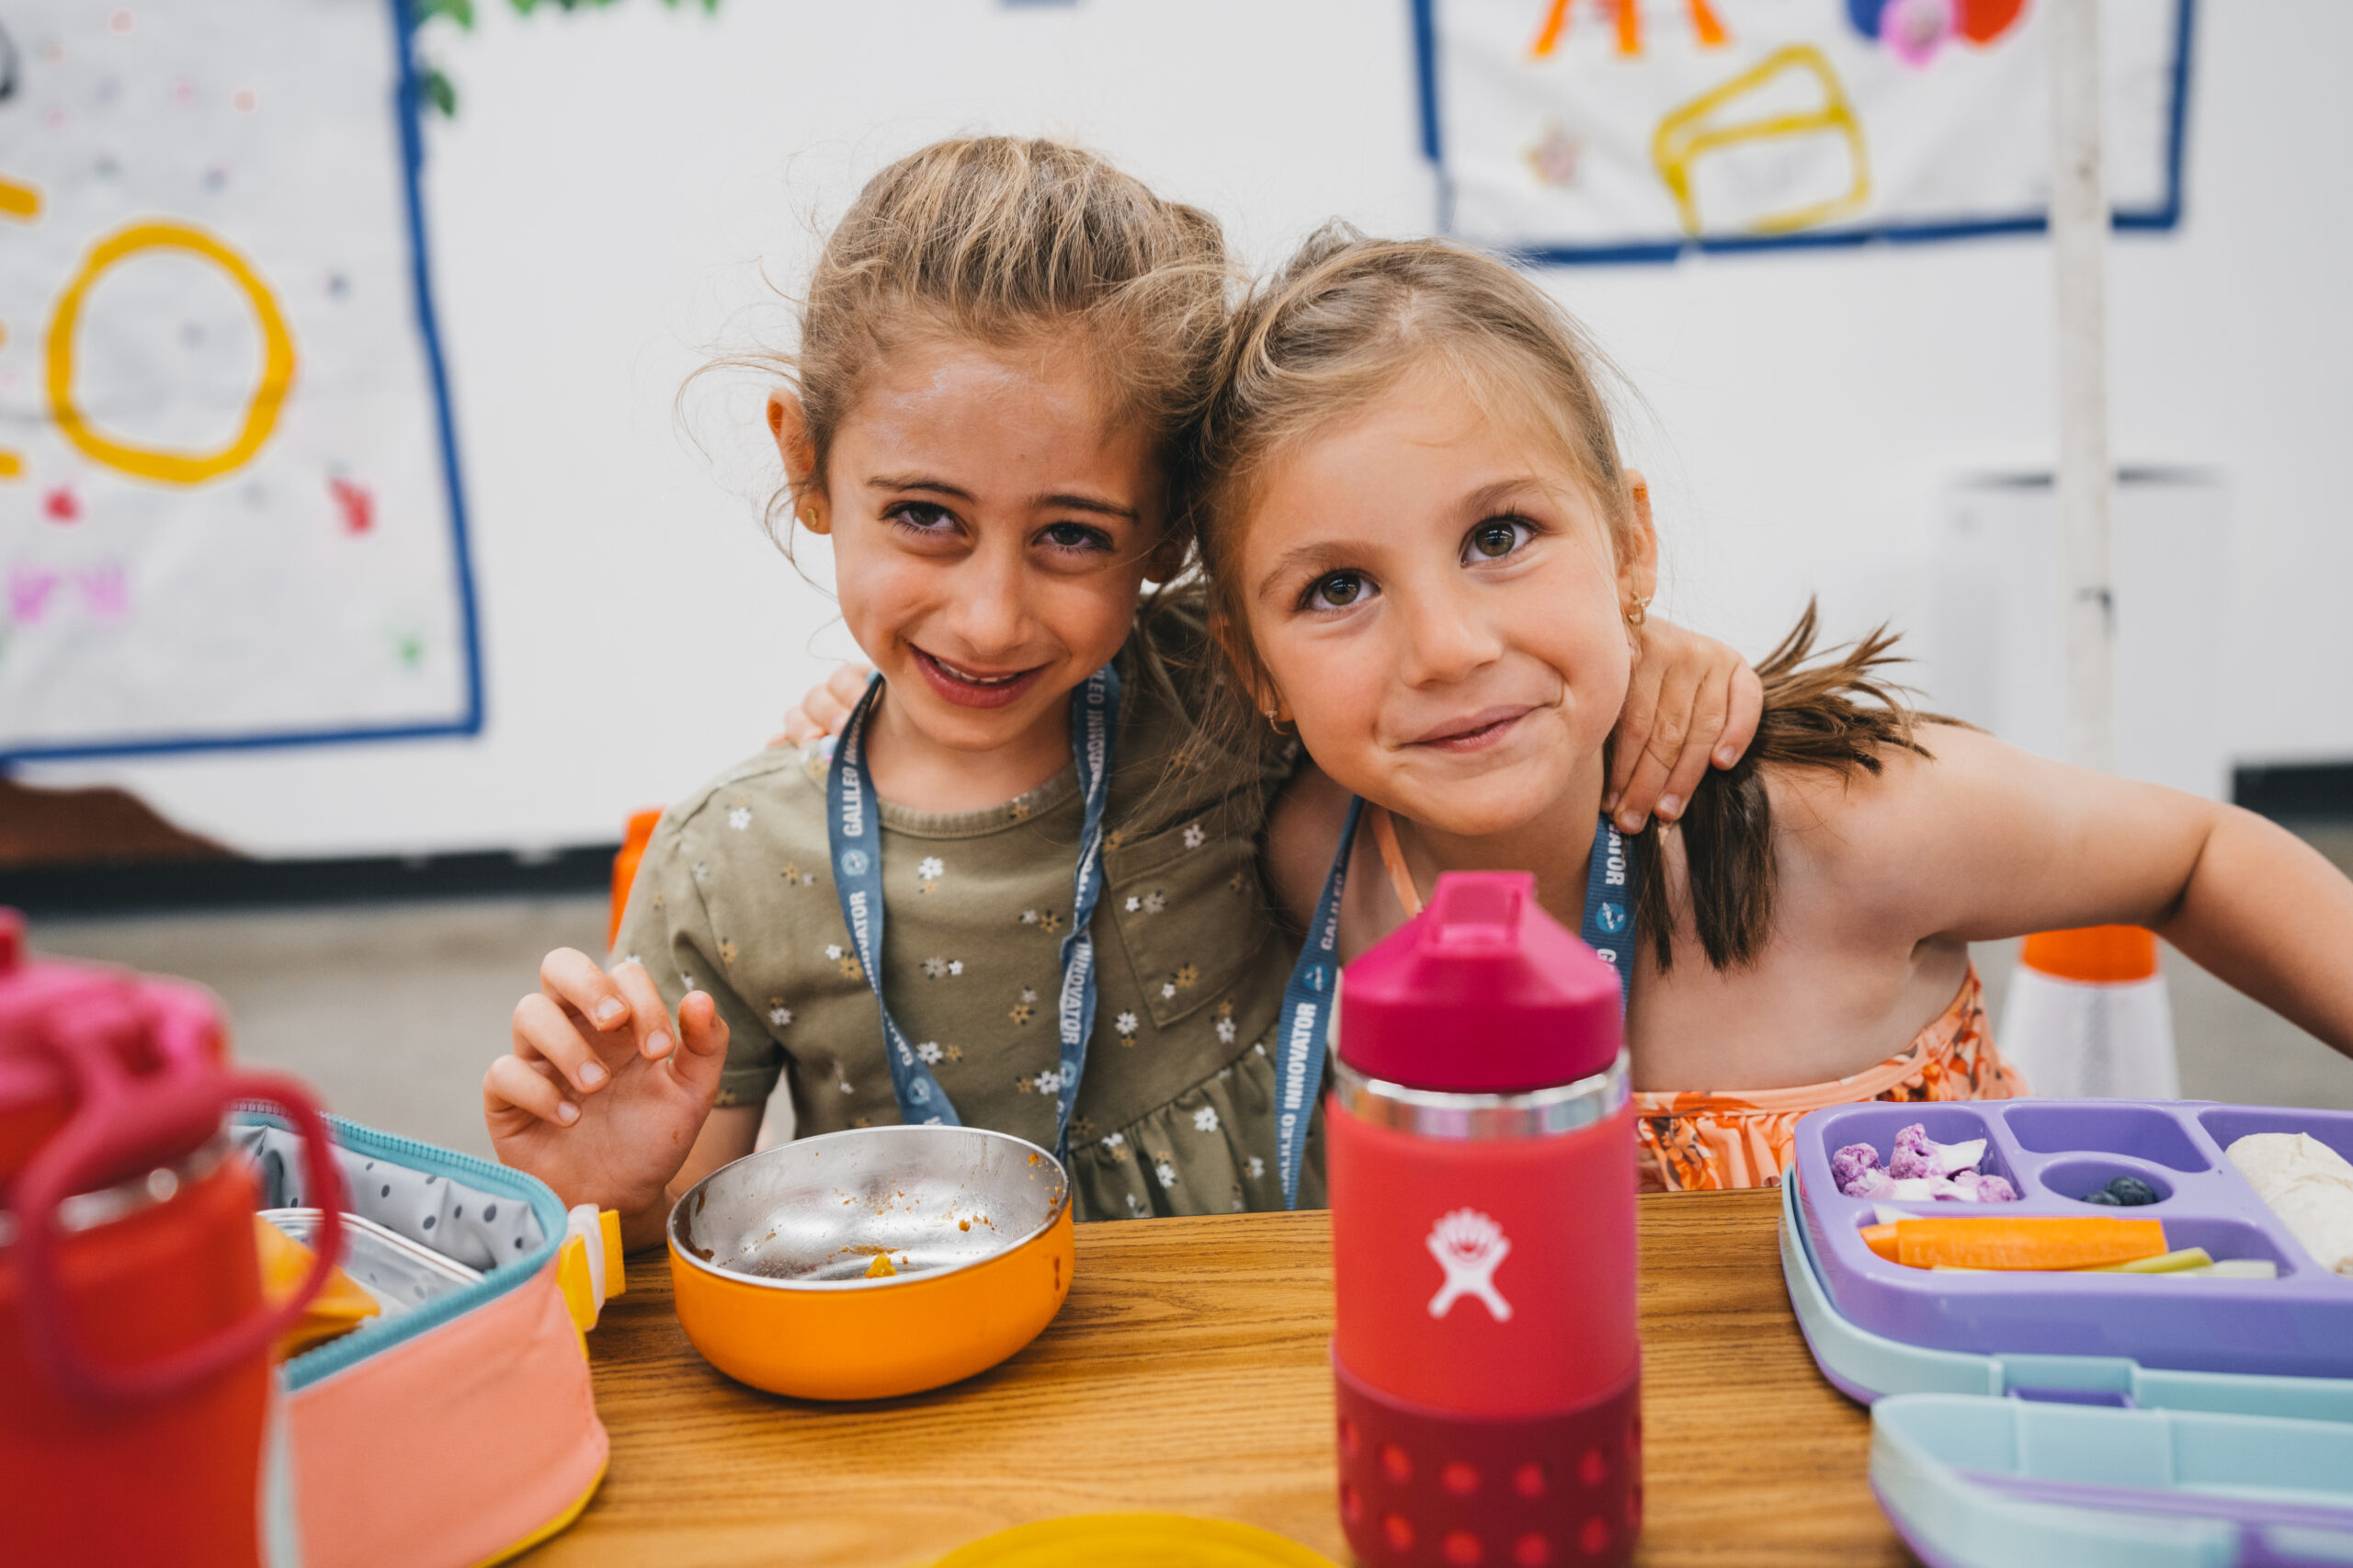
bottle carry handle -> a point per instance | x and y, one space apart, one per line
117 1115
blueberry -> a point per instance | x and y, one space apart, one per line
2132 1191
2102 1197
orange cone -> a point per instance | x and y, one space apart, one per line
640 832
2087 1016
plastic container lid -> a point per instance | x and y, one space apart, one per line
1482 993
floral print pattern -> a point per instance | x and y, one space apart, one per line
736 885
1708 1141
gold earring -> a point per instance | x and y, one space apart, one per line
1640 612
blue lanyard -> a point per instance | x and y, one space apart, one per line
1610 905
854 833
1305 1028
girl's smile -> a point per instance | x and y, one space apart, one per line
1482 730
974 689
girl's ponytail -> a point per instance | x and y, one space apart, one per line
1839 714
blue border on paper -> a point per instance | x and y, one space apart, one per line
406 107
2162 218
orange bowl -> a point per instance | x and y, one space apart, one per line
774 1259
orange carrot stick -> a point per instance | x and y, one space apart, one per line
2025 1241
1881 1239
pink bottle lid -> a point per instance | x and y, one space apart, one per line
1482 993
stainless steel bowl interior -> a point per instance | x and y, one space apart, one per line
813 1214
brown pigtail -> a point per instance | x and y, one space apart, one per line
1840 715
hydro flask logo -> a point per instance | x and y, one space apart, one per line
1469 1247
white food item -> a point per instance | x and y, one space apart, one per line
2228 1268
1956 1157
1913 1189
2309 1186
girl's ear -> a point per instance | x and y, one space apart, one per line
1638 547
1166 561
789 425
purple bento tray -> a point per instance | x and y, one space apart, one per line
2299 1324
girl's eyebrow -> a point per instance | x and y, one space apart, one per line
1095 503
1315 558
1489 499
1071 499
916 482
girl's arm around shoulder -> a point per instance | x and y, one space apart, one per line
1986 841
1303 833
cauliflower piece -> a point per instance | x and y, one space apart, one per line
1872 1183
1848 1167
1914 1157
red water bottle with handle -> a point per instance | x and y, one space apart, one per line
135 1339
1481 1157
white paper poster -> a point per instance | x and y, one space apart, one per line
1577 131
229 507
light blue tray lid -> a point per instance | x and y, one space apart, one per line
1978 1483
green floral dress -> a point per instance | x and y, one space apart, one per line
1175 1111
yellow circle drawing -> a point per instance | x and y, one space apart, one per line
262 409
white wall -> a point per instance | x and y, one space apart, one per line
601 209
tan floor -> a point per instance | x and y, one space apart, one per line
393 1011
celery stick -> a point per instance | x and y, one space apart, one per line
2165 1262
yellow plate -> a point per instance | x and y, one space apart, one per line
1135 1541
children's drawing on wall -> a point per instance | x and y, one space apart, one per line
1632 130
228 506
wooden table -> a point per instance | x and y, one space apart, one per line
1187 1373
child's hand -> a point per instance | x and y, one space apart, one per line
597 1098
1692 702
827 708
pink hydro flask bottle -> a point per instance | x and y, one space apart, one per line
1481 1158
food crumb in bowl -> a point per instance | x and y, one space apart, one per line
964 1224
880 1269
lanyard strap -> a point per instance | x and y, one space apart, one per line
1610 905
1314 991
1304 1028
854 833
